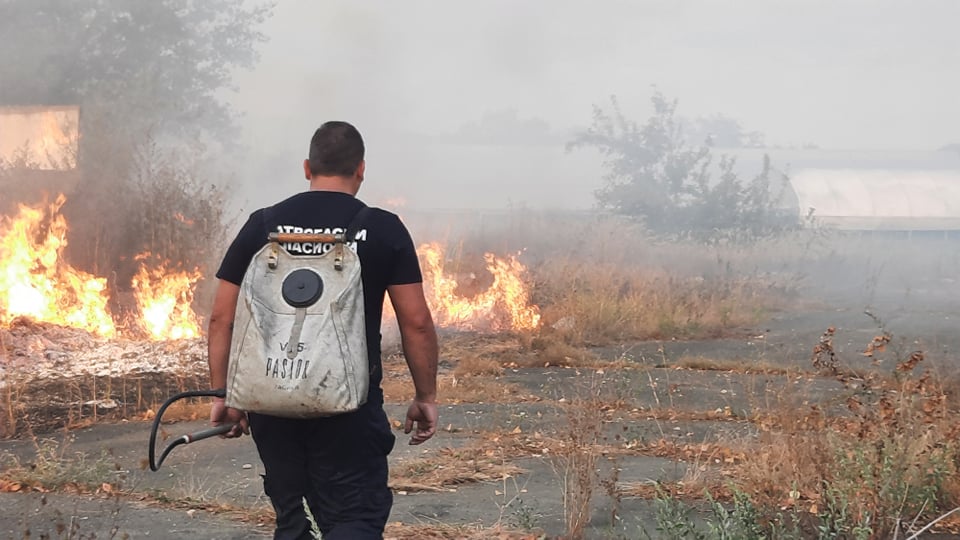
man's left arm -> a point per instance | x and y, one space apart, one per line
219 337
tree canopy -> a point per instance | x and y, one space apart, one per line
149 77
655 176
151 63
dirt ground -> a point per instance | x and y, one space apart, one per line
212 489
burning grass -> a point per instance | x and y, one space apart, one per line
37 282
502 305
880 453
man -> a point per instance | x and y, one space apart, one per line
337 464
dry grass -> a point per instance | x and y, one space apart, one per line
716 487
450 467
503 347
599 304
11 408
454 390
893 456
885 449
55 467
184 410
539 444
555 353
877 455
262 515
442 531
45 405
746 365
473 366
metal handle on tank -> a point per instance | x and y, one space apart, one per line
285 238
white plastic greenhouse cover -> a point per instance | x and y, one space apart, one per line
891 200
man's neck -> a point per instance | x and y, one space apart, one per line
333 183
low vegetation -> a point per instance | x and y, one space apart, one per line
851 445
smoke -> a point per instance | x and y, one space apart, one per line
466 107
412 76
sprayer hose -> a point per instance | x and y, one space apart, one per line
154 464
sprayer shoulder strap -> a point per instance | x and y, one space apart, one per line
266 216
356 223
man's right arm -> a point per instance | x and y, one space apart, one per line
219 336
251 238
419 340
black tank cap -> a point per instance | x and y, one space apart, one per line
302 288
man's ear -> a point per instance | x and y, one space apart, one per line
361 169
306 170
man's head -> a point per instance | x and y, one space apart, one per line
336 152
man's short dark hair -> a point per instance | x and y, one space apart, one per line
335 150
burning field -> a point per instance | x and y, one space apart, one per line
38 284
567 375
64 331
62 327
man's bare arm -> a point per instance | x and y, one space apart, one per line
419 339
220 332
219 336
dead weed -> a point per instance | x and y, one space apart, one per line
441 531
451 467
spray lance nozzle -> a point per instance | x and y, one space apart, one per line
184 439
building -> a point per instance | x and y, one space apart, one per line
39 146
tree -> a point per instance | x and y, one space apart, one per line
505 127
954 147
154 64
719 131
654 176
148 76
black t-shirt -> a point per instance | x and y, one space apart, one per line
387 254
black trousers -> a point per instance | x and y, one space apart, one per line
338 465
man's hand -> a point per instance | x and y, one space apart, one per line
419 340
221 414
425 415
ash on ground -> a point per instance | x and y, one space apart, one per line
32 351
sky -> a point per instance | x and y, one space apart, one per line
844 75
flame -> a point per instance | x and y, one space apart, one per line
164 298
54 140
35 282
394 202
504 305
183 219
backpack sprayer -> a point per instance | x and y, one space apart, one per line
185 439
309 329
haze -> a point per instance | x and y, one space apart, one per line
413 76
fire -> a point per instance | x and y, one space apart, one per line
164 299
394 202
504 305
35 282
